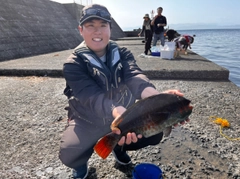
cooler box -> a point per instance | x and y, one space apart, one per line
168 54
168 51
156 54
171 45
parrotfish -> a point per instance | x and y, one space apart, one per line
149 116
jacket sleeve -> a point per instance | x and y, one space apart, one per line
152 27
134 77
90 96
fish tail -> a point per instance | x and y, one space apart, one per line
106 144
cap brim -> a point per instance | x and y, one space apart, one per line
94 17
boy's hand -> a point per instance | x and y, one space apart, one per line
129 138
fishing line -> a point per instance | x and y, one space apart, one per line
223 123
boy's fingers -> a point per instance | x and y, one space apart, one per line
121 141
129 138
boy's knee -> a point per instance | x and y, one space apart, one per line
73 157
66 157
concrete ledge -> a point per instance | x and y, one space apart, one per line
152 74
186 67
29 72
188 75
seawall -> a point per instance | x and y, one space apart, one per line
29 28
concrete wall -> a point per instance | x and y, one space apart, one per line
32 27
133 33
74 9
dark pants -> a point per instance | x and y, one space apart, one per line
148 41
80 137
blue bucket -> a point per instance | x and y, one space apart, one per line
147 171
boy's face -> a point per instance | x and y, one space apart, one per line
96 33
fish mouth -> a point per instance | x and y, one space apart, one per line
185 108
185 111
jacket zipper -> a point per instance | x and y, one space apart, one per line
130 98
98 72
115 74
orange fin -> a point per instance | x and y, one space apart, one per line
106 144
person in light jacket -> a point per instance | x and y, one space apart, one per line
147 28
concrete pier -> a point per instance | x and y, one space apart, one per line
33 119
185 67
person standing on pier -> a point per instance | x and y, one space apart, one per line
147 28
159 22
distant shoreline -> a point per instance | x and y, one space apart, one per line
181 29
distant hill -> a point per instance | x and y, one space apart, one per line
191 26
202 26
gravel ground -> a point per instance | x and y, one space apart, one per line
33 118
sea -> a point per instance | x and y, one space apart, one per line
221 46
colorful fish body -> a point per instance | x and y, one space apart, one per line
148 117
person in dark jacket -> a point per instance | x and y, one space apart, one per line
171 34
159 22
147 28
103 80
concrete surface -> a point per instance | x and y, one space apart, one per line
33 119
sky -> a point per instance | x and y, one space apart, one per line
180 14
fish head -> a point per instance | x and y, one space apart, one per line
180 110
185 112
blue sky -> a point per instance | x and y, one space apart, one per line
185 14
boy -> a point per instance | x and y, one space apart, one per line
103 80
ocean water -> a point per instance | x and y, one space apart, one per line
221 46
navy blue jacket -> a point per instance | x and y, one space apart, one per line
94 88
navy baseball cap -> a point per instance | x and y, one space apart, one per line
95 11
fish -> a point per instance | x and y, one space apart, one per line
149 116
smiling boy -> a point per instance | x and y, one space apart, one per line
103 80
